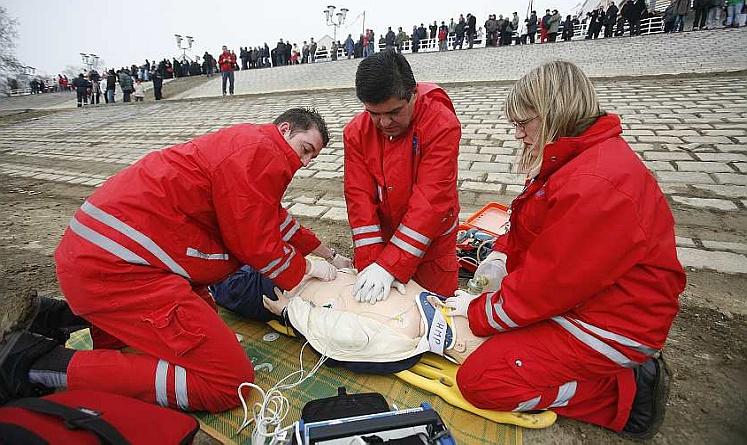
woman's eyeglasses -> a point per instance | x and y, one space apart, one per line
522 124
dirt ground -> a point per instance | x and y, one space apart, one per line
706 348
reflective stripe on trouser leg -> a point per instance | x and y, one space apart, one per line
180 387
566 392
162 370
528 405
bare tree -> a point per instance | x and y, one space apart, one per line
10 68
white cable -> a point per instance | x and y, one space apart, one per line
274 407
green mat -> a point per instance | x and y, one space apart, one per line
283 353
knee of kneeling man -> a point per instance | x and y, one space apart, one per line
468 380
225 396
223 392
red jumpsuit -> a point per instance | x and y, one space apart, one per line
592 286
138 254
401 194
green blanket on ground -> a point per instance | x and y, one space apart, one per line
283 356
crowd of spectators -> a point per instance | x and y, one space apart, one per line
608 20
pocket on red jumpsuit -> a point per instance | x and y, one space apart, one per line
172 326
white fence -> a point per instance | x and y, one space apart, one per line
651 25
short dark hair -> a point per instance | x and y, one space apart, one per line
302 119
382 76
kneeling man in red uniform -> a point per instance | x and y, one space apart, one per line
137 256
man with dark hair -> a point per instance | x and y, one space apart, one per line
137 257
226 61
400 180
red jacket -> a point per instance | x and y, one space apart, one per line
401 194
201 209
226 61
590 246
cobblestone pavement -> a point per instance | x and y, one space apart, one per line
691 132
692 52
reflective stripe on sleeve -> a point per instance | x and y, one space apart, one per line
407 247
105 243
292 231
453 226
180 387
206 256
503 315
366 229
489 313
417 236
285 223
135 235
368 241
284 266
162 371
566 392
270 265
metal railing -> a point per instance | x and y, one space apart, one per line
650 25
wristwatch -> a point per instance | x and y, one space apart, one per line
332 257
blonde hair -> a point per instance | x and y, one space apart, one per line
561 97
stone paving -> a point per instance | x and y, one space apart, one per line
694 52
691 132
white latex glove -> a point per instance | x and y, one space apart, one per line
374 284
493 267
341 262
321 269
459 303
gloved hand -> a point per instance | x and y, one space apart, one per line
374 284
321 269
493 267
459 303
341 261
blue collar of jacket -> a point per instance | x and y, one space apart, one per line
562 151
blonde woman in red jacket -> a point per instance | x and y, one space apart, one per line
592 278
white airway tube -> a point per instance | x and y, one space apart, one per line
270 413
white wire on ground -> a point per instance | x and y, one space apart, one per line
269 414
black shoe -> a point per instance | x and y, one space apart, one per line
652 391
52 317
18 351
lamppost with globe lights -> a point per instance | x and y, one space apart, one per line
184 49
330 15
28 74
89 60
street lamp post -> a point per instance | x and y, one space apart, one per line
184 49
90 60
329 13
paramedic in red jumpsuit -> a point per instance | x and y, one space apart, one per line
400 180
137 256
592 280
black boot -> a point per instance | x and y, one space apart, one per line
18 351
652 390
53 318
